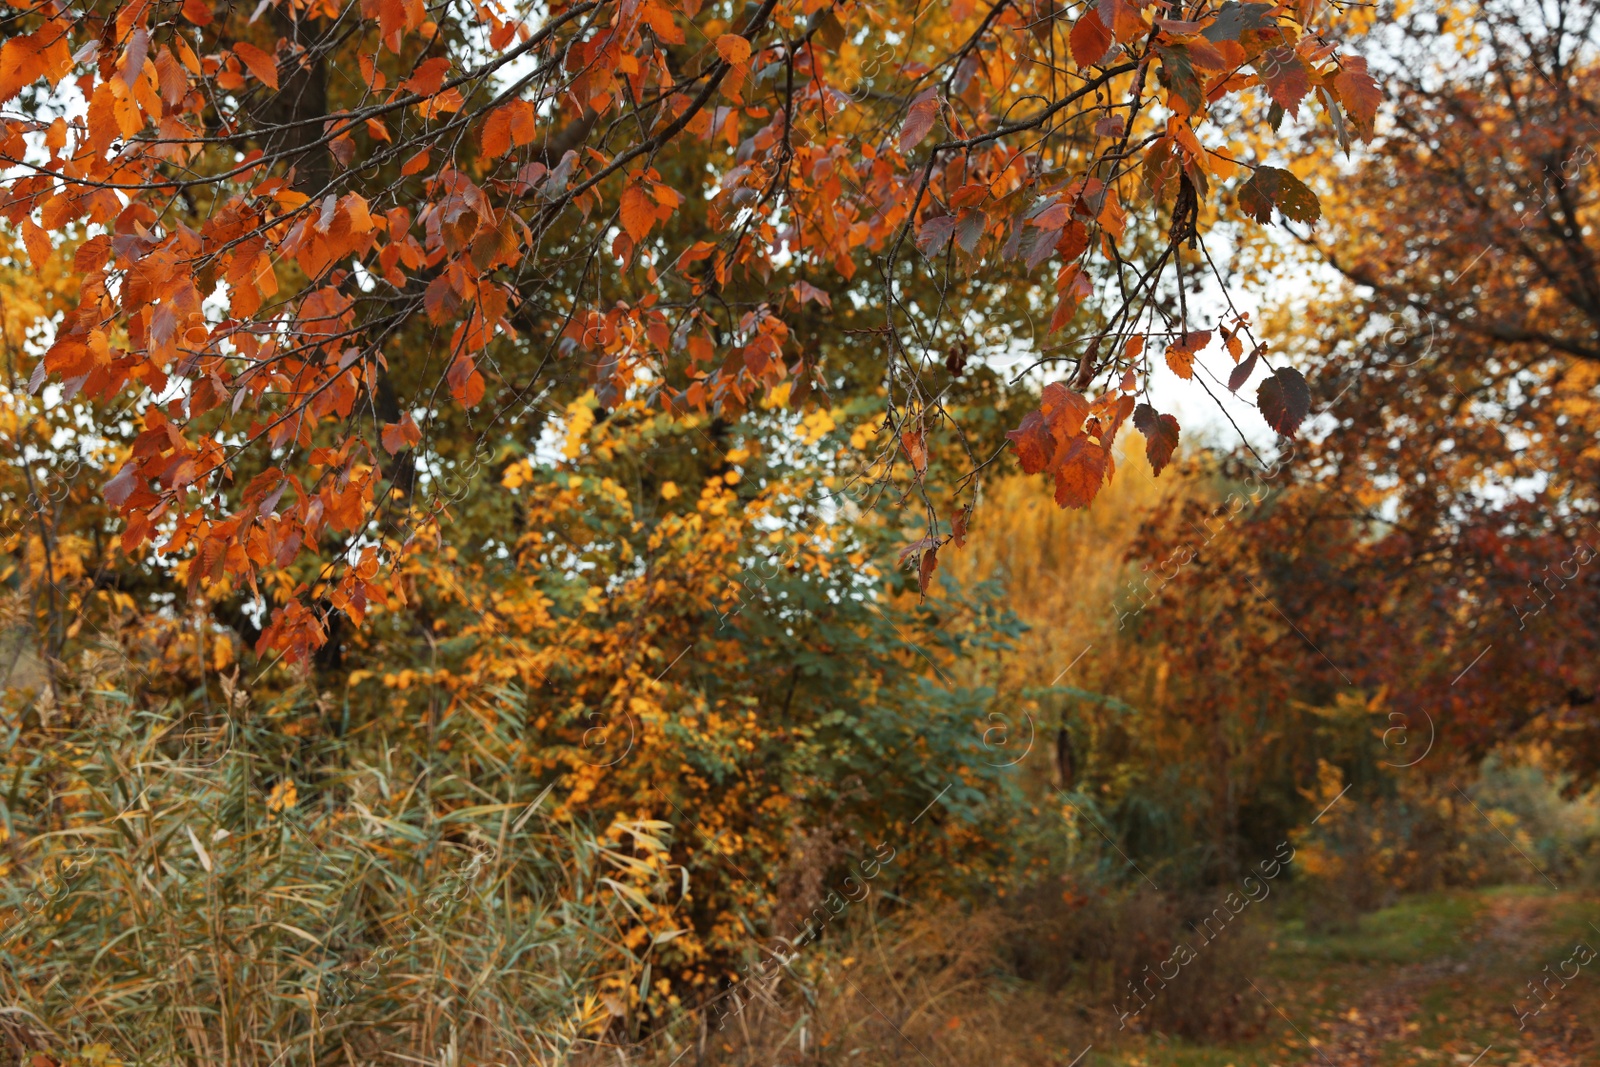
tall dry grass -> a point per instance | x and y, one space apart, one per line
925 986
181 891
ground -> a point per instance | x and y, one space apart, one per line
1432 980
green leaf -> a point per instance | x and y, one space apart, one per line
1177 71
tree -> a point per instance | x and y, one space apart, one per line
1442 528
324 250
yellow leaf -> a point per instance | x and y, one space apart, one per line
283 796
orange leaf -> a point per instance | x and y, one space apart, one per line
466 384
1081 473
733 48
37 242
262 64
1122 16
401 435
638 212
1065 409
1074 287
416 163
1360 95
428 77
1032 443
1180 355
102 119
916 451
496 140
22 62
1090 39
523 130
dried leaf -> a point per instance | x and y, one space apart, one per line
1360 94
1273 187
1242 372
919 119
925 567
1160 435
1284 399
916 451
1285 77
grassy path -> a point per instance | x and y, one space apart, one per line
1432 980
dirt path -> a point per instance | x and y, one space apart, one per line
1392 1012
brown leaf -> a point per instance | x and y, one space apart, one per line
1032 442
119 488
919 119
935 233
1242 372
1160 435
1285 77
171 77
925 567
1273 187
1284 399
